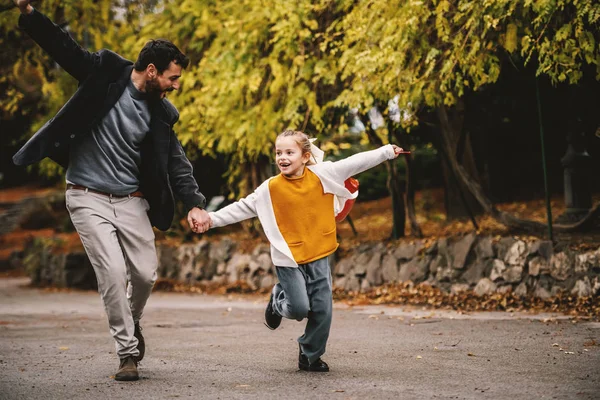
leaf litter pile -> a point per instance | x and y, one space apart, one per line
585 308
466 301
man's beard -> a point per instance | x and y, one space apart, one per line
153 90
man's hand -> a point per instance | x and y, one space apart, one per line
199 220
24 6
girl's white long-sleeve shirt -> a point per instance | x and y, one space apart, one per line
332 176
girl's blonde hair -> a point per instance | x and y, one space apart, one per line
303 141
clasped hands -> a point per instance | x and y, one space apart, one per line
199 220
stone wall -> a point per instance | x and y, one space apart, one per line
470 262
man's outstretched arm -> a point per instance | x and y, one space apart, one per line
73 58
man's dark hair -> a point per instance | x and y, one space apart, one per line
160 52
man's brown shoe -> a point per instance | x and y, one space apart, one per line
127 370
141 342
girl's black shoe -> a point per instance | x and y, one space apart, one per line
272 320
318 366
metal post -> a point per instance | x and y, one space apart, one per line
548 206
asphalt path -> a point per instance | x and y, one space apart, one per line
56 345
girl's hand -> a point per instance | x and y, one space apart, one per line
397 150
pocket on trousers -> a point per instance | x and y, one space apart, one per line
67 200
71 199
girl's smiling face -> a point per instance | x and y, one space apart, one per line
289 157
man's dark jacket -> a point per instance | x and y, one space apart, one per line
102 77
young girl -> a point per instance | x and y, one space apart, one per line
297 210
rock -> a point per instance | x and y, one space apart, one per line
221 268
237 265
484 286
261 248
438 262
513 274
516 254
477 270
504 289
556 290
389 268
560 266
541 293
340 282
360 265
538 265
446 274
252 281
352 283
374 274
365 285
342 267
521 290
582 288
596 286
498 269
264 262
219 279
168 264
461 249
207 268
459 287
186 257
443 250
543 248
267 281
432 250
223 250
484 248
254 267
587 261
502 247
406 251
415 270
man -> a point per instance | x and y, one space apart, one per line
124 163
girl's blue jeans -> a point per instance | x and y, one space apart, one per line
305 292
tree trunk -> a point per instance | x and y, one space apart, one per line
510 221
415 229
459 147
395 188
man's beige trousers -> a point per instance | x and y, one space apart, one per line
118 239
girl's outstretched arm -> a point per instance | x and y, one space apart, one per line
360 162
240 210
